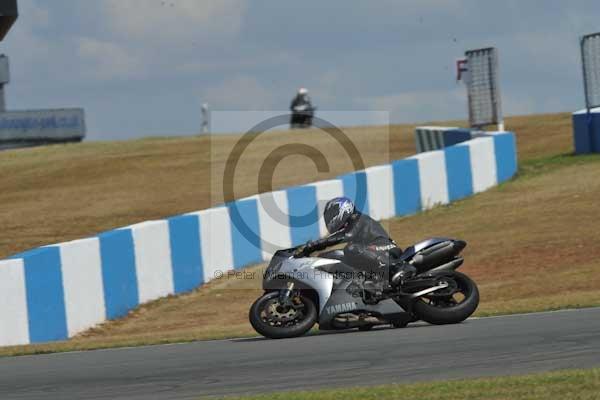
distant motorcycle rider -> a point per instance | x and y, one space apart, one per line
369 248
302 109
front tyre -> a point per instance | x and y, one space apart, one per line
439 309
273 320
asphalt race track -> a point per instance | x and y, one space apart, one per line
479 347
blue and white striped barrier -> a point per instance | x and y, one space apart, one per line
54 292
429 138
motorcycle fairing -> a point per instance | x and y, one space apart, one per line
305 274
342 301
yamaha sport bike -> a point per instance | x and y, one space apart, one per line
303 290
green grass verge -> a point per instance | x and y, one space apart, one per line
537 166
564 385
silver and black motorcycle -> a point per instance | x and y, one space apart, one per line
302 116
301 291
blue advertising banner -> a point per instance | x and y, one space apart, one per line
48 125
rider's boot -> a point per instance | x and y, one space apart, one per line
375 285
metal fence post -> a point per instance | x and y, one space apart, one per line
2 99
4 80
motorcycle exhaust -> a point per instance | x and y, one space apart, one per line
349 321
440 253
450 266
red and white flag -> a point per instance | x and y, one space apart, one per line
462 71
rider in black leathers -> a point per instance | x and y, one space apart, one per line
369 248
302 110
301 99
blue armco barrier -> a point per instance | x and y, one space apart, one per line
55 292
407 186
458 172
303 214
245 233
586 131
186 254
505 147
356 188
45 296
429 138
119 276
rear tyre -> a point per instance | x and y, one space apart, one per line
269 318
365 328
441 311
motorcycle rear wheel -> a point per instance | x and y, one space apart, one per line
440 311
271 320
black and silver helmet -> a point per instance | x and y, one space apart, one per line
337 213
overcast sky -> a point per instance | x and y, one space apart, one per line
144 67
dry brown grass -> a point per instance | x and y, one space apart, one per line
59 193
63 192
531 241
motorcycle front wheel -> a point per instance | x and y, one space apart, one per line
276 321
439 309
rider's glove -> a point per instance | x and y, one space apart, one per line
305 250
